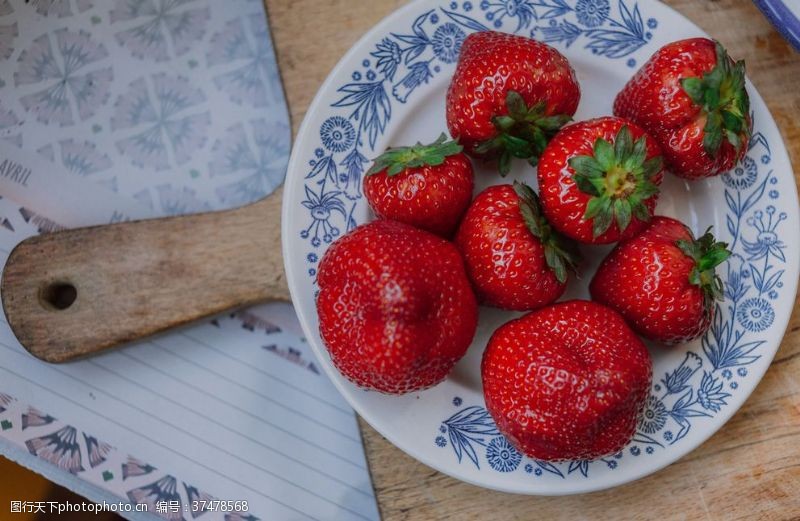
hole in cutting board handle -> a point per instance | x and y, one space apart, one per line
58 295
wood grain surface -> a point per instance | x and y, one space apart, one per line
750 469
134 279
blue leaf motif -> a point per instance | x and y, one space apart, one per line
627 38
641 437
556 9
474 420
470 425
581 465
549 467
683 400
754 197
565 33
372 107
466 21
684 430
327 166
730 224
758 139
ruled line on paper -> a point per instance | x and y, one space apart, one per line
235 432
244 411
281 479
258 393
268 374
148 438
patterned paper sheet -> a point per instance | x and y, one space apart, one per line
177 103
122 109
235 409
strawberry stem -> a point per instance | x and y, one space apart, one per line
395 160
522 133
560 253
619 178
707 254
722 95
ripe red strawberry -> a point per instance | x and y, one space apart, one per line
396 310
691 96
566 382
427 186
663 281
513 257
598 180
508 96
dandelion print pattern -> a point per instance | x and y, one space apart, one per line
244 47
501 456
168 118
256 153
59 448
61 8
134 467
7 35
755 314
35 418
176 201
592 13
197 497
71 77
79 157
654 416
5 400
160 28
10 129
97 450
743 176
447 42
163 490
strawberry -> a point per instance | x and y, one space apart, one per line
396 310
509 94
691 96
663 281
514 259
566 382
599 179
427 186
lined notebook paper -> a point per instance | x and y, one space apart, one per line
235 409
123 109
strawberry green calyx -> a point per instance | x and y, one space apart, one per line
722 95
707 254
395 160
619 178
559 252
523 133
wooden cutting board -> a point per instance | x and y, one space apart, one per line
750 469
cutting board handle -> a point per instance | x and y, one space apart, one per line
73 293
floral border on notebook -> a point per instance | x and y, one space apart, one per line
101 464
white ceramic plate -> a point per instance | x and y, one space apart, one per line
389 90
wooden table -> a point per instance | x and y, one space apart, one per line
750 469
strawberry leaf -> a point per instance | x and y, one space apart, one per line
707 254
561 254
396 160
523 133
619 177
722 95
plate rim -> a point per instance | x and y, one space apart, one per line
293 276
